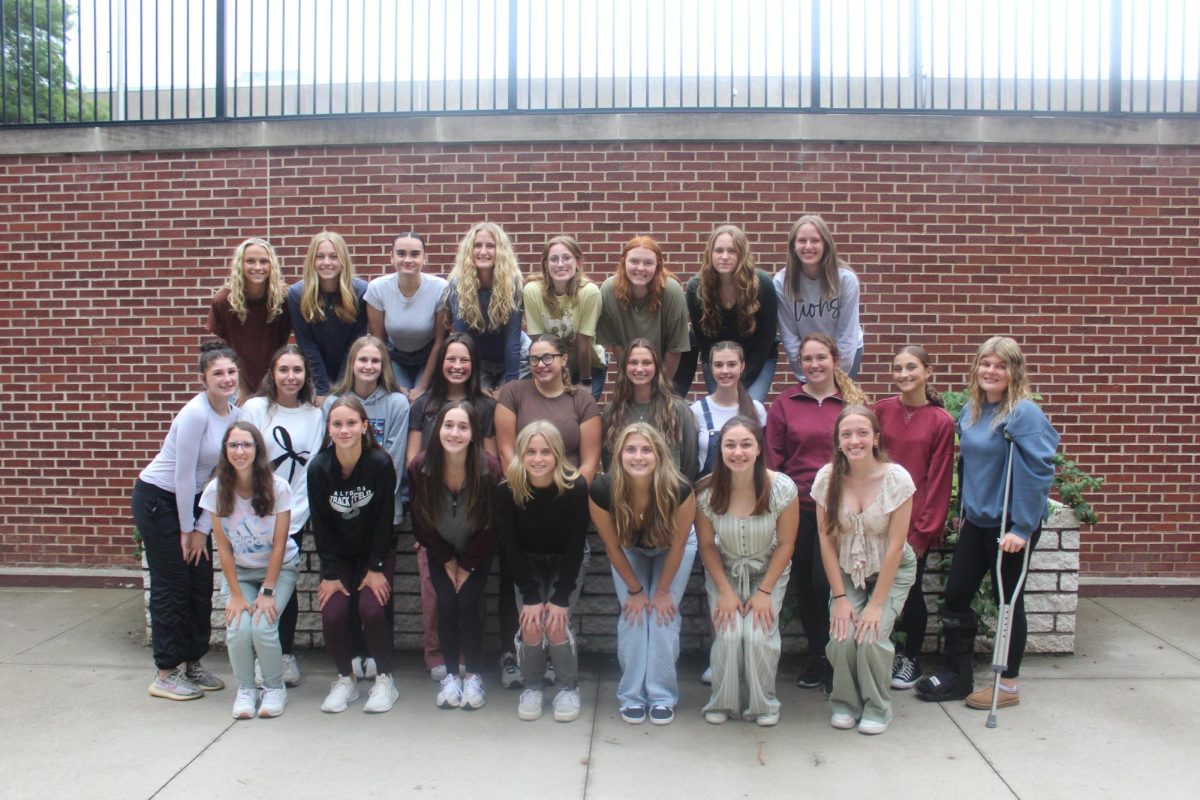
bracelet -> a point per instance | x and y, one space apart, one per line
639 591
836 596
764 591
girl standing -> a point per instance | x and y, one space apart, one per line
174 533
402 311
642 300
293 429
249 312
730 300
818 293
727 364
562 301
643 394
864 503
484 299
327 308
800 427
919 435
351 495
746 525
643 509
453 518
999 420
250 509
542 514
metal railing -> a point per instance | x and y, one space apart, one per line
137 60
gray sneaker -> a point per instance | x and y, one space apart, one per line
203 678
175 686
566 705
291 671
530 706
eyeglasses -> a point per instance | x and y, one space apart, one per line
239 445
545 360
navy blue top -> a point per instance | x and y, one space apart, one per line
326 343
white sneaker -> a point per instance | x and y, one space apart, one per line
273 702
767 720
530 706
450 695
706 676
356 668
291 671
438 672
383 695
871 728
244 702
342 693
370 671
566 705
258 678
473 696
843 722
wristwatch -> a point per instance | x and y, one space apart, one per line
267 591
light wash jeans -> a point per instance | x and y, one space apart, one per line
757 390
247 638
648 651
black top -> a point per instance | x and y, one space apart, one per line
759 346
601 494
480 546
549 524
352 516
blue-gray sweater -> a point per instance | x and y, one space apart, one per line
984 452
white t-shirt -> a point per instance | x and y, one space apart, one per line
407 320
251 536
293 437
720 415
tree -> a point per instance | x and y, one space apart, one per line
36 82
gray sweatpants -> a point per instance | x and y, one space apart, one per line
531 658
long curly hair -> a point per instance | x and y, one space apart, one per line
515 476
269 390
312 303
236 282
262 477
429 485
387 378
624 289
831 285
549 298
506 282
1007 349
850 392
720 480
658 528
662 400
745 284
841 466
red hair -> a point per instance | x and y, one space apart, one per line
624 289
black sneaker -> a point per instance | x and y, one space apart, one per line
662 715
813 673
905 672
634 715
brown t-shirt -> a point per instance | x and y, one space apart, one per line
567 412
254 340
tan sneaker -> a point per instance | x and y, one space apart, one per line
982 698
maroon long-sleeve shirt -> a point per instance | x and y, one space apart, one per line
800 437
923 445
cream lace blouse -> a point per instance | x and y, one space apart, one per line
862 540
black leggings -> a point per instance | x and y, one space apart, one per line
974 557
915 617
460 624
812 584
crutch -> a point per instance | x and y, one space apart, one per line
1004 614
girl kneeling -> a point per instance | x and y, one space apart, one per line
864 503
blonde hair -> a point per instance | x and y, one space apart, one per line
236 282
311 306
658 530
1007 349
564 474
850 392
387 378
506 281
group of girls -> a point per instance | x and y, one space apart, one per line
493 440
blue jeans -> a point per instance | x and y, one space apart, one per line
248 638
648 651
757 390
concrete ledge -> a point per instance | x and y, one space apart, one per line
1139 587
66 577
541 127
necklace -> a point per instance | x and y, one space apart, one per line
909 412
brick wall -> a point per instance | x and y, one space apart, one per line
1088 254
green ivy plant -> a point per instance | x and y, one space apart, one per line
138 546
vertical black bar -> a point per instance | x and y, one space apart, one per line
203 58
512 55
66 99
814 79
915 55
1115 22
412 61
220 61
4 74
157 12
187 59
283 63
546 80
237 39
172 84
95 67
346 83
33 65
50 64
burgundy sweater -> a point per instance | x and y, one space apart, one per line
924 446
800 437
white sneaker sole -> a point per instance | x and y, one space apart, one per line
335 709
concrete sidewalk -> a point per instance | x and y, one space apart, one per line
77 722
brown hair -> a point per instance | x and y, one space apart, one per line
840 466
262 478
720 481
745 281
